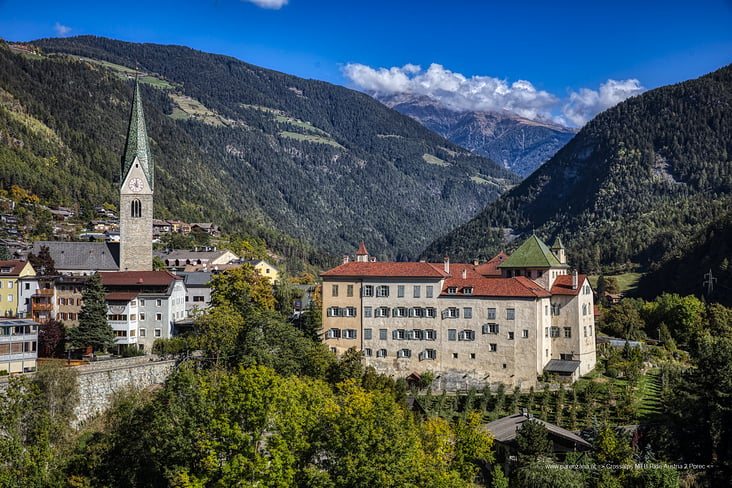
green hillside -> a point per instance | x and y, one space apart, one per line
633 186
254 150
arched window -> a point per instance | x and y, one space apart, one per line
136 208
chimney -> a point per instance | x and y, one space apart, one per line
345 259
475 262
575 279
465 274
373 259
447 264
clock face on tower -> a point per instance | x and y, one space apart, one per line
136 184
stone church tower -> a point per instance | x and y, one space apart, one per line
136 195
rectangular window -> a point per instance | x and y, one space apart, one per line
334 290
158 316
417 291
142 315
367 352
556 308
10 297
404 353
491 314
430 354
468 312
399 334
381 312
382 291
510 336
493 347
568 332
197 298
585 331
381 353
430 312
367 290
349 291
382 334
349 333
429 290
452 290
333 312
451 313
367 312
400 291
333 334
158 332
525 333
399 312
490 328
451 334
466 335
158 303
430 334
367 334
554 332
348 312
143 332
416 312
468 290
418 334
510 313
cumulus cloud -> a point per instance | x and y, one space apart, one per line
61 30
584 104
454 90
271 4
485 93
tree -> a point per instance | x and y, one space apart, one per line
217 332
51 336
43 263
4 253
532 440
243 289
623 320
93 330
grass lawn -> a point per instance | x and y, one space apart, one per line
626 281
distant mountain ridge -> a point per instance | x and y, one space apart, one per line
519 144
255 150
632 186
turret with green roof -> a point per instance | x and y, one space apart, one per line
137 148
532 254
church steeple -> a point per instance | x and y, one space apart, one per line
137 145
136 194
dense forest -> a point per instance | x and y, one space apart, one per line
255 150
634 185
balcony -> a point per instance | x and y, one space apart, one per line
42 306
45 291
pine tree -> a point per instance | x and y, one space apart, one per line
93 331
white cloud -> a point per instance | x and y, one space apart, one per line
61 30
584 104
485 93
271 4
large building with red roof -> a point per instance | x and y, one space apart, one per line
509 320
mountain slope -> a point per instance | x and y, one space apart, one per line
633 185
246 146
519 144
686 270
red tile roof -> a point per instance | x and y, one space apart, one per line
563 285
385 270
17 266
158 278
491 267
519 286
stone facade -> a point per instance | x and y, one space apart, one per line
468 328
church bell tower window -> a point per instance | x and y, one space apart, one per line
136 208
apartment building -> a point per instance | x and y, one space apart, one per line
506 321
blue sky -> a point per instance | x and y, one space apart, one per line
561 60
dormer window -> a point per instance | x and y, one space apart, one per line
468 290
452 290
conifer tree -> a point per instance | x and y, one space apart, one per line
93 331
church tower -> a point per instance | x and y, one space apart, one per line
136 195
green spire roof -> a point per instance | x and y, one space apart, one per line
137 143
557 244
532 254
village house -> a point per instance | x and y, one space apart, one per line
507 321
